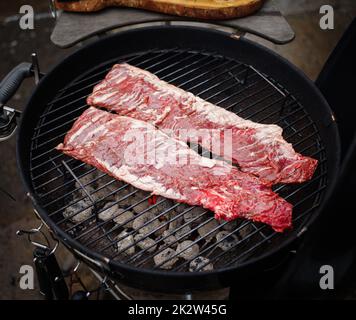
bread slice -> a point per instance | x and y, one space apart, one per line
200 9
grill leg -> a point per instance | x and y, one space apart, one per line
51 280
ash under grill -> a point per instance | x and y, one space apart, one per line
132 227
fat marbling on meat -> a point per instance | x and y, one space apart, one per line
115 145
258 149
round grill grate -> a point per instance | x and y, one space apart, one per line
131 227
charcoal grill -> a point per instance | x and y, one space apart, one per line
229 71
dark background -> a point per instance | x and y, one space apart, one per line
308 51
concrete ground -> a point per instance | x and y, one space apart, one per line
308 51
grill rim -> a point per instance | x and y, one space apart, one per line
75 245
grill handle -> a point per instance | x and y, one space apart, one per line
13 80
8 87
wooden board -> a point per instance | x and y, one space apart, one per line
198 9
72 27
